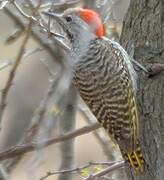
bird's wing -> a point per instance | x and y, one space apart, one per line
125 100
105 83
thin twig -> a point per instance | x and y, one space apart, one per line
54 52
76 169
57 86
24 148
57 5
40 113
3 173
9 82
7 63
29 136
37 21
106 171
13 36
22 12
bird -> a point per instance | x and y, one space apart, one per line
105 78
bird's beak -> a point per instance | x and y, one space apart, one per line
58 18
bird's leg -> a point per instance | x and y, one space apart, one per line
137 66
151 71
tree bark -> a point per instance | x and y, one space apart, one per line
143 27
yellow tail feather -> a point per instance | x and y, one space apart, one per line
136 161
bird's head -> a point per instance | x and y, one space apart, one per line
79 24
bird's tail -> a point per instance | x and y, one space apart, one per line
135 160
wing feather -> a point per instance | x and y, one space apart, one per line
106 83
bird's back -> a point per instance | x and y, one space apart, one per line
105 82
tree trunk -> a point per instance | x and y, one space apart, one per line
143 28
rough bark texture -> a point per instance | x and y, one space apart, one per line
144 28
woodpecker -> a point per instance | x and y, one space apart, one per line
105 79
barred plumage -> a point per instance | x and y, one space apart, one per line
105 84
105 78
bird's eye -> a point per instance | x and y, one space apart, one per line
68 18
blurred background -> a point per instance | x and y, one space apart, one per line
28 89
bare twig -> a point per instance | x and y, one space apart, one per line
76 169
106 171
9 82
14 36
7 63
57 55
24 148
40 113
55 52
37 21
3 4
33 129
56 5
22 12
59 86
47 67
3 173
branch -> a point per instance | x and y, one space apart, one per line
57 55
67 124
22 27
9 82
155 69
77 168
24 148
106 171
35 20
39 115
35 33
3 173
